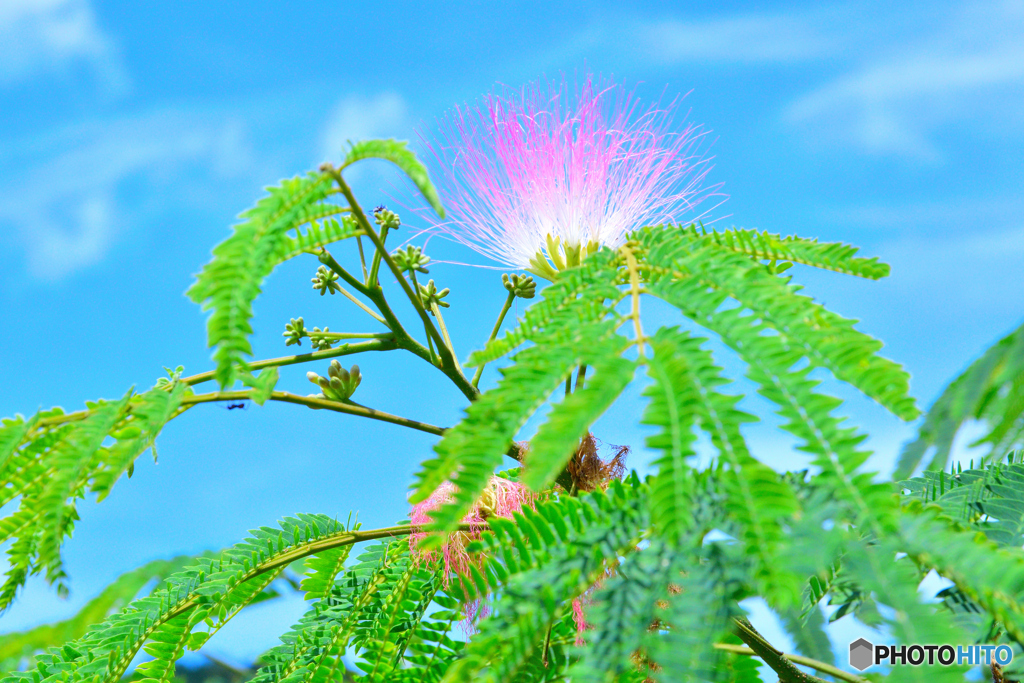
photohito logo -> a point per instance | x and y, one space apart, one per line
864 654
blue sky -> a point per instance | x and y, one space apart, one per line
131 136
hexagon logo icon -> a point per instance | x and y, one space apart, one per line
862 654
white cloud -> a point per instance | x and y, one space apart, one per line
970 69
357 118
66 211
41 36
746 38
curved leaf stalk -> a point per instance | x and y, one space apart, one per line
634 292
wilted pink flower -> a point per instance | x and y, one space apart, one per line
501 498
580 620
545 177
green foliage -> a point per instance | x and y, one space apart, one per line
757 500
469 452
15 647
190 605
53 460
263 384
808 634
792 249
632 581
229 283
555 563
566 331
715 274
991 390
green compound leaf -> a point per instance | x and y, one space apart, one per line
678 269
15 647
757 500
230 283
201 598
991 390
763 245
316 235
398 153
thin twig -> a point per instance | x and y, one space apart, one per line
780 664
362 258
357 211
444 333
363 306
325 258
378 344
430 341
313 402
494 334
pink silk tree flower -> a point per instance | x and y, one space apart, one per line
540 179
501 498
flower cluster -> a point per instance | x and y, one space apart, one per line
540 179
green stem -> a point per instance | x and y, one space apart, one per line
379 344
313 402
581 375
494 333
362 258
357 211
375 266
312 548
430 342
356 335
568 384
449 365
363 306
444 332
797 659
780 664
329 261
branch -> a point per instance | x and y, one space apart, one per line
375 238
379 344
797 659
779 662
313 402
325 258
449 364
343 350
444 333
